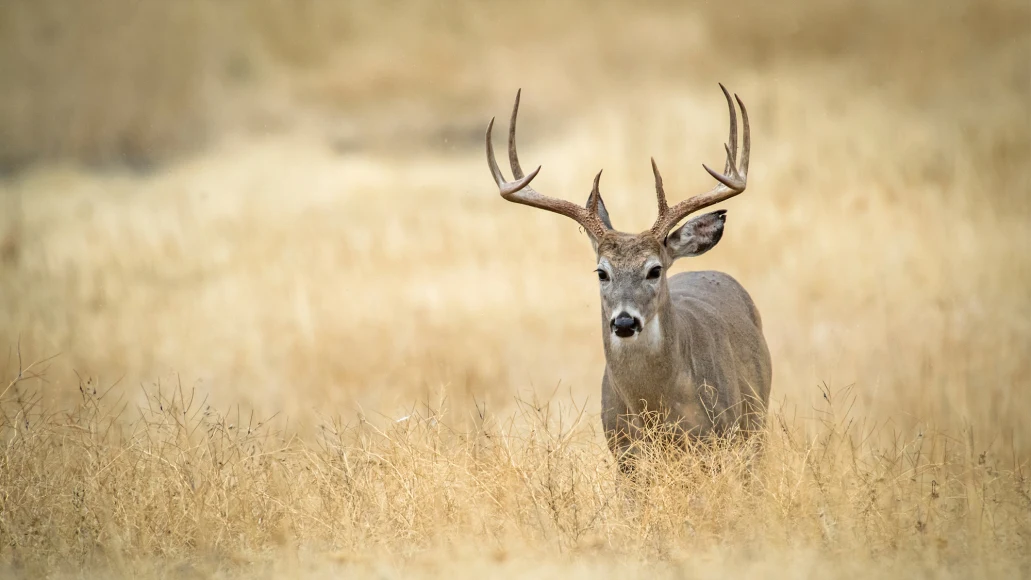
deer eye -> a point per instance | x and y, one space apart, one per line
603 275
655 272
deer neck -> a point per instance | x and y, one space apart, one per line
639 368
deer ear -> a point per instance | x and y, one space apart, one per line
698 235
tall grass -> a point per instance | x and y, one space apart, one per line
183 485
310 340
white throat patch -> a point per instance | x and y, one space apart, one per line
652 333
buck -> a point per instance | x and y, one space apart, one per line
686 351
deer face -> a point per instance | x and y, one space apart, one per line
631 276
632 270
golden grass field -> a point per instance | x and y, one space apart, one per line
265 315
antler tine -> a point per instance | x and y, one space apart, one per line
594 200
731 182
659 192
506 187
731 144
519 191
747 141
513 157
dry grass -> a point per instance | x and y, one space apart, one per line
186 490
335 259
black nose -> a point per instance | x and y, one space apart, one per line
625 325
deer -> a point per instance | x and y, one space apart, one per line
684 352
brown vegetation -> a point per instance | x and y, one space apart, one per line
317 252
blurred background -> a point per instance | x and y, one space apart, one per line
285 205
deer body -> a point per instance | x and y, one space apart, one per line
707 373
688 349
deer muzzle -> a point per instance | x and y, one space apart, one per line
624 325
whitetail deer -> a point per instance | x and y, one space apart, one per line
689 346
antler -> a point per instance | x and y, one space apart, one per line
519 191
731 182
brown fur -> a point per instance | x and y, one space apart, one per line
709 372
690 347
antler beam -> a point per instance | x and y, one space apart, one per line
731 182
519 190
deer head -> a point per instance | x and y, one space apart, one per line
632 267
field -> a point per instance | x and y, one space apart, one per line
263 313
